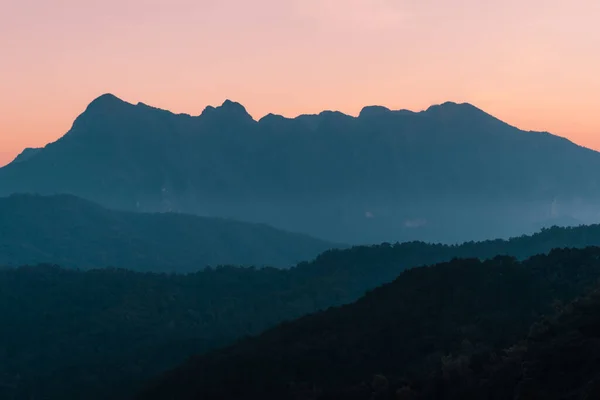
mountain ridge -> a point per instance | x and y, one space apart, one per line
398 334
77 233
111 101
344 178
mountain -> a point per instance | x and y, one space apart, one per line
76 233
395 337
98 334
446 174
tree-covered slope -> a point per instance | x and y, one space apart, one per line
101 333
399 333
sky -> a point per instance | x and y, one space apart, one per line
532 63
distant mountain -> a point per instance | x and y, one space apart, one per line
391 342
450 173
72 232
100 334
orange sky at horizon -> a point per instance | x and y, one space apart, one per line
533 64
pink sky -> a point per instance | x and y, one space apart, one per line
532 63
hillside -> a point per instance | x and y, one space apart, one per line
395 336
446 174
99 334
73 232
557 360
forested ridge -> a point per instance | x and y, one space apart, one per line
559 359
102 333
432 326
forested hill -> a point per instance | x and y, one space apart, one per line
99 334
391 341
558 360
73 232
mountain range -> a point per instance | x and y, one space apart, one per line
76 233
447 174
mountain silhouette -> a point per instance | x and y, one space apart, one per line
76 233
449 173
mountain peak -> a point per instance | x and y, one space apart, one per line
232 104
229 109
107 102
451 106
330 113
271 117
373 111
233 107
107 98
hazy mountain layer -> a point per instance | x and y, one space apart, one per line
73 232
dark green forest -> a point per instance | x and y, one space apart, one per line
102 333
559 359
432 333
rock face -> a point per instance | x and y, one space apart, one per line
449 173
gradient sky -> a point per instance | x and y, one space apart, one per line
532 63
